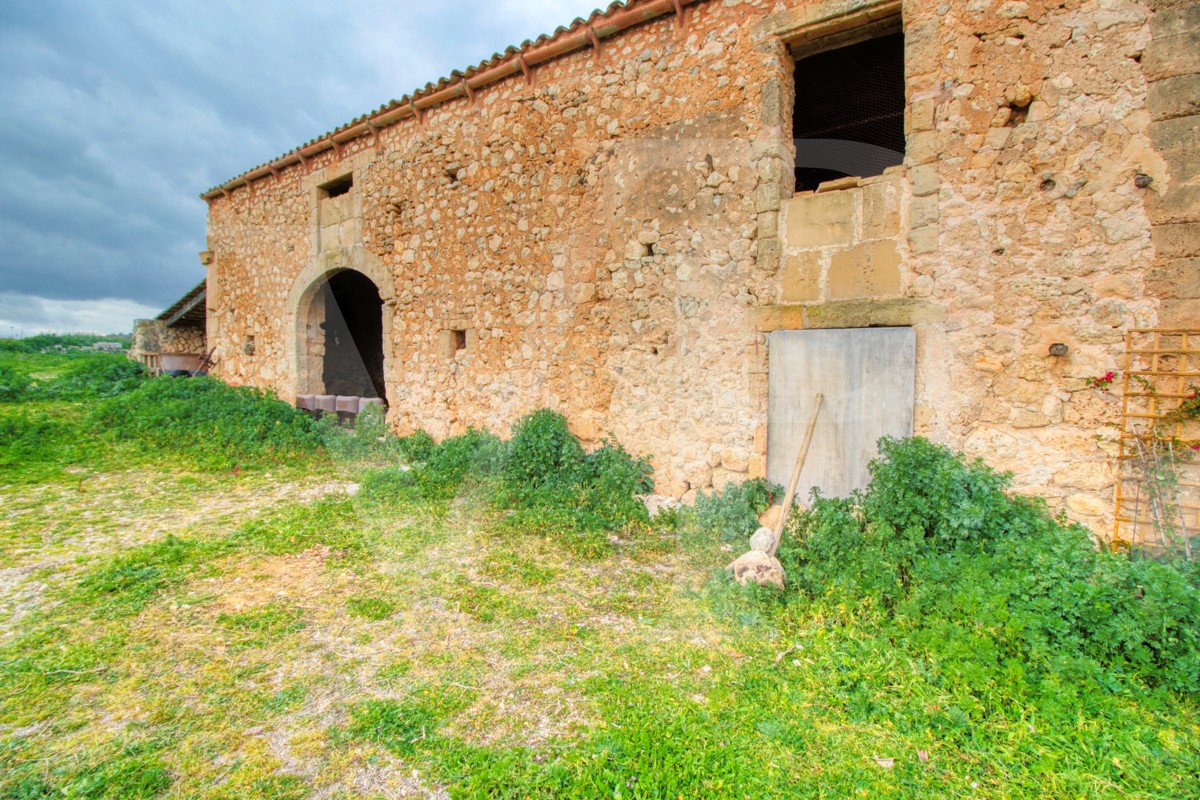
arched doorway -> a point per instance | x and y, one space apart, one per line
343 337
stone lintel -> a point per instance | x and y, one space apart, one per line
823 19
897 312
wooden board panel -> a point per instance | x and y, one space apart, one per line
867 377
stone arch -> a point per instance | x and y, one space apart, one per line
346 272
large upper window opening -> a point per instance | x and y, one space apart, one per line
849 113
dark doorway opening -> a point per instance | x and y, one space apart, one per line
849 112
353 328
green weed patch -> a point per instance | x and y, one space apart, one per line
375 608
983 583
485 629
127 583
261 627
215 424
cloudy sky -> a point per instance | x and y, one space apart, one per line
115 115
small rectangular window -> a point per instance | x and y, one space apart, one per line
849 112
338 186
460 340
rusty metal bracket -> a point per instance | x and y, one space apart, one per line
678 14
595 42
374 133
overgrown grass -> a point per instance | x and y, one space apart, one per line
66 376
448 629
209 421
542 480
114 414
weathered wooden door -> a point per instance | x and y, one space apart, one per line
866 376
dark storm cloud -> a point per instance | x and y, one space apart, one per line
114 116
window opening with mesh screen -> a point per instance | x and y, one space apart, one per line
849 112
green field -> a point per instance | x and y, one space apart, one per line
204 594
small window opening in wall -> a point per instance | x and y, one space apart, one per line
849 111
338 186
460 340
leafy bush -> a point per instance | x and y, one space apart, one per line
440 470
417 447
543 455
367 438
13 385
925 489
731 514
450 463
370 425
95 376
984 582
610 488
544 476
548 474
217 424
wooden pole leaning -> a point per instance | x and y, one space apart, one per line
790 496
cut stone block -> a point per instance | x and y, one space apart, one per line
868 270
881 209
1178 96
815 220
801 278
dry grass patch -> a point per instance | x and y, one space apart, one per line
52 533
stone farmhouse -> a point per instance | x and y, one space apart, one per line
676 221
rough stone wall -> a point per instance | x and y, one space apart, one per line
1042 237
1016 222
152 337
592 234
1172 67
183 339
615 238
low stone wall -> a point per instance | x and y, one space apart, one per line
152 338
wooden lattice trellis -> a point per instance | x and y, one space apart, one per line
1158 488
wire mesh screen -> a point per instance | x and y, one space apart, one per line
1158 489
849 113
